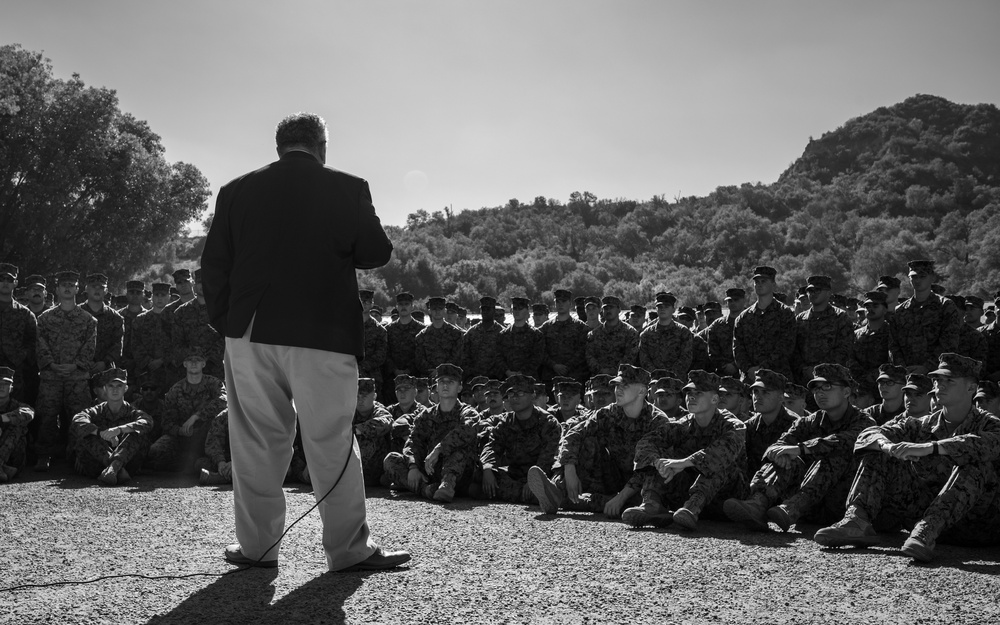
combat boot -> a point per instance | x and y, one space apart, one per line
206 478
750 512
446 489
650 512
853 530
109 476
687 515
550 497
785 515
921 542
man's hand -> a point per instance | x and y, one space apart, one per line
226 469
432 459
110 434
668 468
909 451
573 486
489 483
188 428
613 509
414 478
782 456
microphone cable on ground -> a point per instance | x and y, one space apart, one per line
186 575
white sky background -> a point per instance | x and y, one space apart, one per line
469 104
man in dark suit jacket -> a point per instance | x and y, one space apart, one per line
294 226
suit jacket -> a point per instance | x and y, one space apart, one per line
299 228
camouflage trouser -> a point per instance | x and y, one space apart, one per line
510 484
455 465
600 478
817 490
694 490
94 454
178 453
57 396
961 509
13 441
373 452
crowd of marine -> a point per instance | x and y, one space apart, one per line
863 416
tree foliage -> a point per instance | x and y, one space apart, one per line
83 185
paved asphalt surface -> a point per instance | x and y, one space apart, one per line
473 562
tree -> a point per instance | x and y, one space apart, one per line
78 176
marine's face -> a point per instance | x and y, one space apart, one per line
406 395
7 284
5 388
830 396
918 403
67 290
889 390
519 400
135 297
568 401
115 390
160 299
366 401
763 286
818 297
194 366
701 401
36 294
950 390
766 401
437 313
667 401
404 308
729 401
563 306
603 398
184 287
626 394
448 388
921 281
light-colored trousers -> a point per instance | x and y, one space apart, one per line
262 381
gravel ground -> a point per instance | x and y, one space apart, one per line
472 563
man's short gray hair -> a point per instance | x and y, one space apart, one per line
306 130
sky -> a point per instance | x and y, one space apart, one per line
467 104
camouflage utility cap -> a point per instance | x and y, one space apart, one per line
627 374
918 382
957 366
769 380
893 373
829 373
700 381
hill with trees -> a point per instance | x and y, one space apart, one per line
919 179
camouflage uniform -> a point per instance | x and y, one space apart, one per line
13 435
603 447
765 338
666 346
719 338
217 442
565 344
92 454
522 349
18 336
128 337
821 475
190 329
822 336
402 423
372 433
436 346
700 358
972 343
171 451
110 335
991 365
611 345
761 435
432 428
481 351
401 346
64 337
871 349
954 496
513 446
151 341
717 450
376 347
920 331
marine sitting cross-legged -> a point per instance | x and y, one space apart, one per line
691 461
441 445
594 469
808 468
935 474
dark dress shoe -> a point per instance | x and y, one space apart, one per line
381 560
234 554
